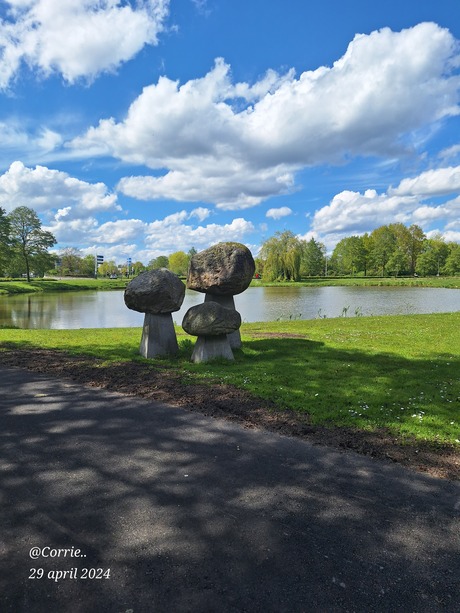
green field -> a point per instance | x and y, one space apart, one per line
448 282
395 372
59 285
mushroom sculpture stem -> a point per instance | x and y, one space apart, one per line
158 336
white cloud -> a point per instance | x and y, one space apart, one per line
450 152
232 188
17 141
72 232
449 210
235 145
447 235
351 212
117 253
76 38
145 240
171 234
283 211
45 190
430 183
119 231
451 236
201 213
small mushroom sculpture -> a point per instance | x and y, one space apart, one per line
222 271
211 323
157 293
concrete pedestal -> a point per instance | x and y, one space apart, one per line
211 347
158 336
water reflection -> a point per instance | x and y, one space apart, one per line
107 309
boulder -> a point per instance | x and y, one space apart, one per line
155 291
229 303
223 269
211 319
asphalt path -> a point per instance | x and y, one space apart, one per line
190 513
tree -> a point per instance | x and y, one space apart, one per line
107 268
383 247
29 242
71 261
349 256
161 261
137 268
87 266
397 262
433 257
416 245
178 263
452 265
282 255
259 272
5 240
367 243
313 258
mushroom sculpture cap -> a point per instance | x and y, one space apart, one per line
210 319
156 291
223 269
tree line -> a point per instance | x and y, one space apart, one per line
72 263
389 250
393 249
24 251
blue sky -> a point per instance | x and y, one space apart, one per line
139 128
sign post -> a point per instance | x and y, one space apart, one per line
99 259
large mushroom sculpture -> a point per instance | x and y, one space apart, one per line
157 293
212 324
221 272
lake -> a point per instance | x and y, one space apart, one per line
106 309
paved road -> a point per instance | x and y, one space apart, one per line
195 514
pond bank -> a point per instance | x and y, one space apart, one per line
9 287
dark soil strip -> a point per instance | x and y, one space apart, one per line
171 386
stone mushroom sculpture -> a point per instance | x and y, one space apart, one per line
222 271
157 293
212 323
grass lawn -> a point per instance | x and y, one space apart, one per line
448 282
59 285
395 372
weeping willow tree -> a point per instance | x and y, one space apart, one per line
282 256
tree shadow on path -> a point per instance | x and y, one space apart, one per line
193 514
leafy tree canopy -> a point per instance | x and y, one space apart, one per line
29 242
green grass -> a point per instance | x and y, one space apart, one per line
59 285
395 372
448 282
